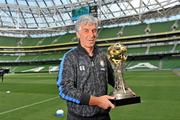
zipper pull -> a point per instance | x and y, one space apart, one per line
92 63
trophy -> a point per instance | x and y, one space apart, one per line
122 93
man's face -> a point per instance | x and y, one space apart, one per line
87 35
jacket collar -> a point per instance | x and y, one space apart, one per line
83 51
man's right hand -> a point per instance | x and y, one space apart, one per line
102 101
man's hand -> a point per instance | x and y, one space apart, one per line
102 101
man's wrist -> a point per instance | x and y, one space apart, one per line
93 100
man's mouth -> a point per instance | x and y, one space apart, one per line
90 40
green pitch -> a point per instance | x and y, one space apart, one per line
35 97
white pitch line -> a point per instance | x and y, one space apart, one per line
18 108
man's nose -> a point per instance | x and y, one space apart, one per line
91 34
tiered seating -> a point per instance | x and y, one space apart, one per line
36 57
9 41
29 41
8 58
106 35
161 27
27 57
50 56
137 50
103 33
70 37
108 32
163 48
134 30
47 41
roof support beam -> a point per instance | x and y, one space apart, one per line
10 13
32 15
67 12
26 26
42 13
57 11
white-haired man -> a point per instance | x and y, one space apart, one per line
84 75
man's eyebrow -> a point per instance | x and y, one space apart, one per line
85 29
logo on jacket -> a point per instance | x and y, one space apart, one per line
102 63
82 68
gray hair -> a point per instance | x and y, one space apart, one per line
85 19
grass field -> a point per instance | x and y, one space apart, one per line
35 97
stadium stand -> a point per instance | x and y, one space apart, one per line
134 30
108 32
163 48
161 27
161 39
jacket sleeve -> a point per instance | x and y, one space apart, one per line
67 82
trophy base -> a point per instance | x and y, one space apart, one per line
126 101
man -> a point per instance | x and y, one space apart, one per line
84 75
2 74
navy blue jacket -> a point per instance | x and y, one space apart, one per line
81 76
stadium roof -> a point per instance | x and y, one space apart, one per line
54 16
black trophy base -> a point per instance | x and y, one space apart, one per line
126 101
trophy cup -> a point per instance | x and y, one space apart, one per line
122 93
